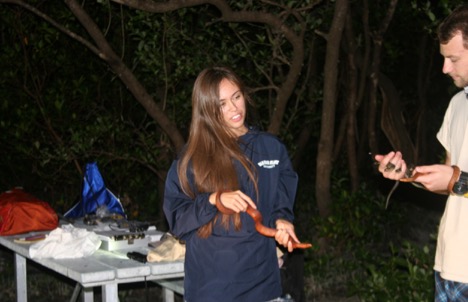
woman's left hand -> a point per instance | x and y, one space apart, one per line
285 234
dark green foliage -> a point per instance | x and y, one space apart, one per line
369 251
61 107
404 275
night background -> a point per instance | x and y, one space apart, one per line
109 81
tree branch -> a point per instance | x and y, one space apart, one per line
126 75
228 15
105 52
54 23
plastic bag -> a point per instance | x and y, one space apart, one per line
95 196
168 248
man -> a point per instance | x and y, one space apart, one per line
451 261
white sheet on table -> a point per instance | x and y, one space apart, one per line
66 242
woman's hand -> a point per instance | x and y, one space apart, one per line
236 201
391 165
285 234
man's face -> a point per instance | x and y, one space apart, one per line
455 60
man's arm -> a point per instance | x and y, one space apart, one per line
448 159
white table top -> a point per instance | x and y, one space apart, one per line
103 267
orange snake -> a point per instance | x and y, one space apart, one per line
412 178
257 217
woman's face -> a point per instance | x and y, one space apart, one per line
232 104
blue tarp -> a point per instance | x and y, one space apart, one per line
95 195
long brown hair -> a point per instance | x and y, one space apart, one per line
211 149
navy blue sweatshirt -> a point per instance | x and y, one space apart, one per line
235 265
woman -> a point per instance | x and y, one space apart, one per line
227 162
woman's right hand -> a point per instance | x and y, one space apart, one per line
391 165
233 200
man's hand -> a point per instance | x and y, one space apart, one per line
391 165
435 178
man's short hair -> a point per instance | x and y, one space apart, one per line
456 22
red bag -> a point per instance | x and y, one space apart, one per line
21 212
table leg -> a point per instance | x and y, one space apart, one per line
21 282
110 293
168 295
87 294
76 293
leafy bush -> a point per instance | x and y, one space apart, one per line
404 275
364 251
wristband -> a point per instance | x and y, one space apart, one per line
455 176
460 188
